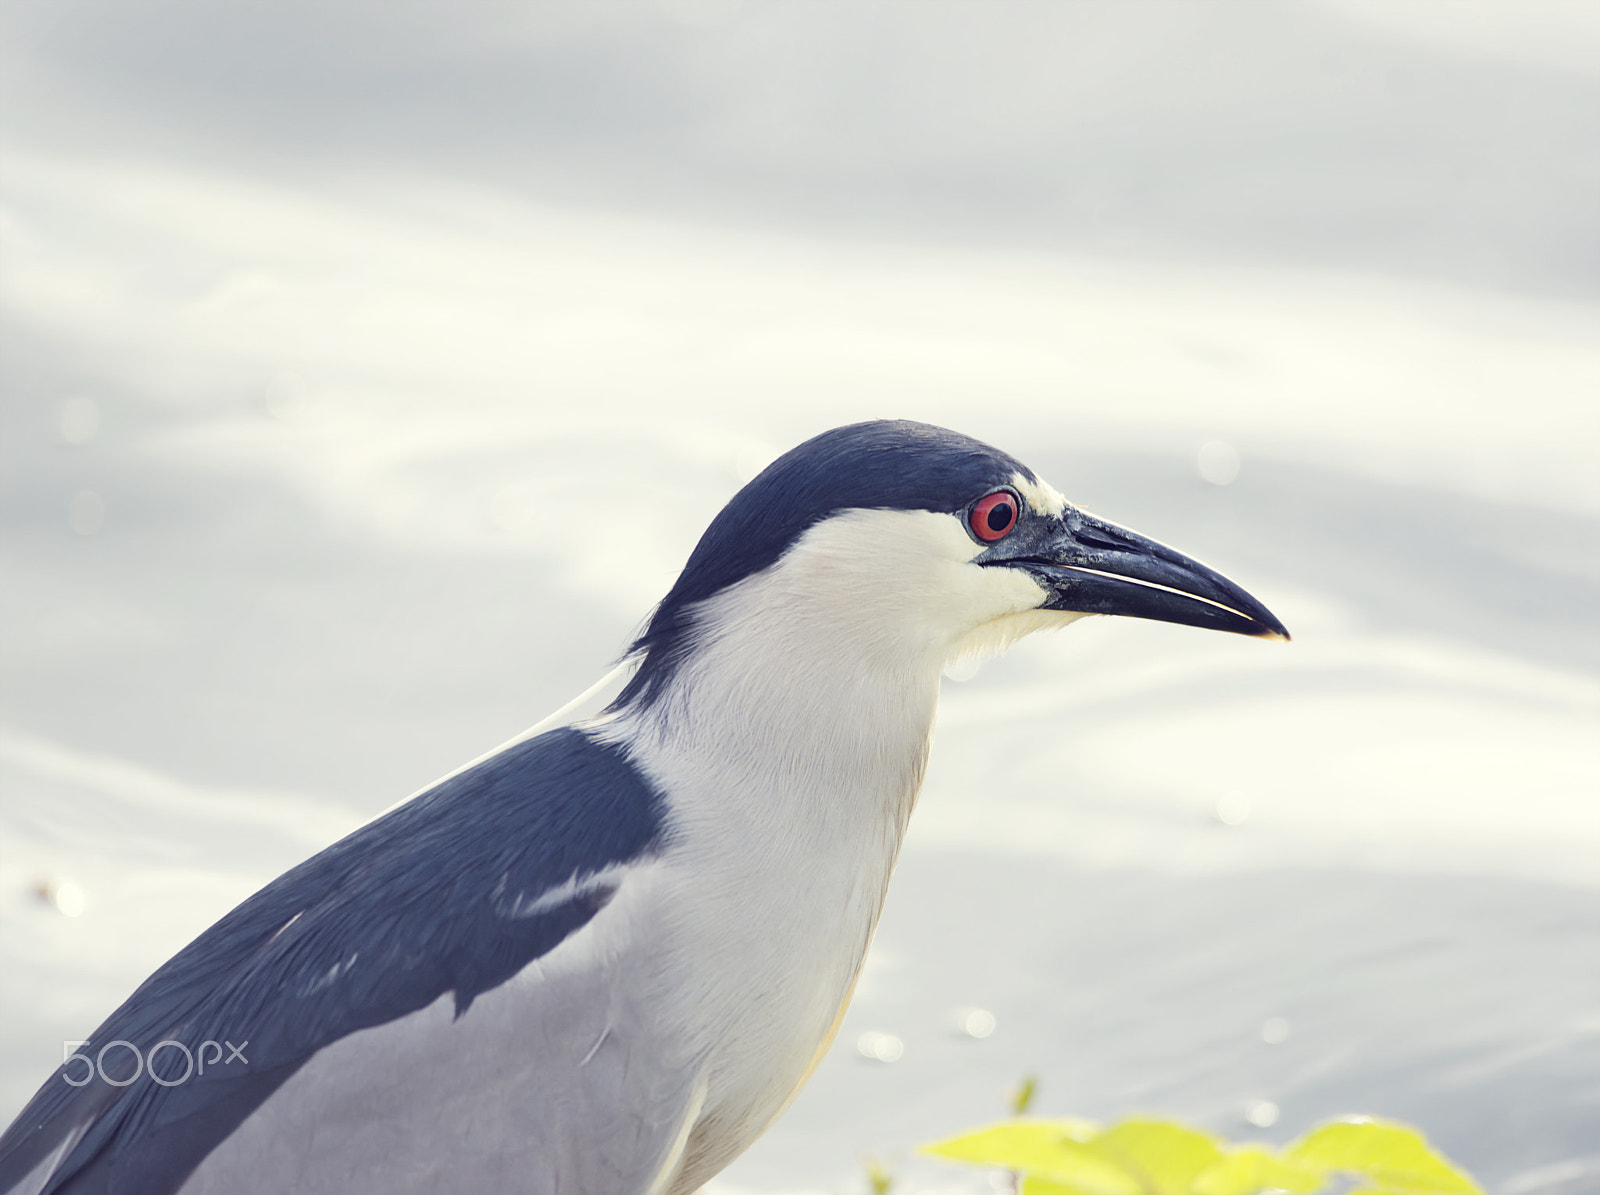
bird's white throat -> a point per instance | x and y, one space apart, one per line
810 688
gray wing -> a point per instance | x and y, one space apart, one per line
451 998
561 1079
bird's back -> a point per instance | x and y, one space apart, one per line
426 968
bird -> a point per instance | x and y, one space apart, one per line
604 958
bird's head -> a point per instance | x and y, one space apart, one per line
906 541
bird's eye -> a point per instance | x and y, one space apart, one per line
994 516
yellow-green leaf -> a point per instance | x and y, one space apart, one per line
1016 1143
1037 1184
1053 1152
1391 1157
1022 1097
1252 1168
1164 1156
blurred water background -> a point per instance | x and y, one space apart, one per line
368 371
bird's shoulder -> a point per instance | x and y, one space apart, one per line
453 892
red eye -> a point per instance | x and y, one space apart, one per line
994 516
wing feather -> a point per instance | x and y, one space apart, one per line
422 913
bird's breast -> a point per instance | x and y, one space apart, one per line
771 955
770 909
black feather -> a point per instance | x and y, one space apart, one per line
427 900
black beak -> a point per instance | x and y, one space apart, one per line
1095 567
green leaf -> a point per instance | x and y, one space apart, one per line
1035 1184
1393 1158
1022 1097
1053 1153
1164 1156
1017 1144
1252 1168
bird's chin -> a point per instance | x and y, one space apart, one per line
994 636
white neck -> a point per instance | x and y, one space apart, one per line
807 699
790 720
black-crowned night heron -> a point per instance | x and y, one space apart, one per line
604 958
